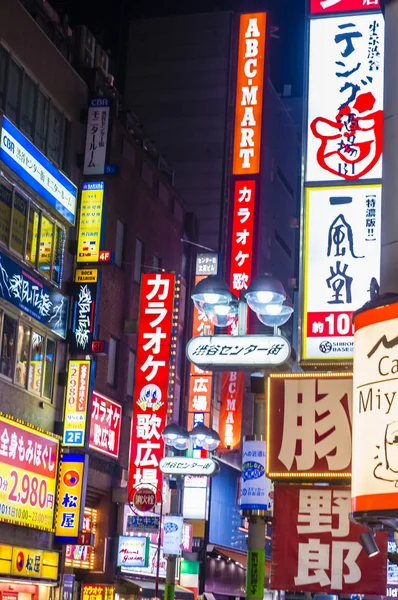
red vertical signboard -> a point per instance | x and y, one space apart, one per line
152 379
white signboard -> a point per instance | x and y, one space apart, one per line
133 551
172 535
229 353
254 487
341 254
375 411
150 570
184 465
345 98
96 136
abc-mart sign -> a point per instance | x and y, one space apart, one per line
231 353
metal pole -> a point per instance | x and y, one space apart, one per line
255 572
169 588
159 543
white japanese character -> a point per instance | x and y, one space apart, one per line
148 426
245 194
240 258
145 456
315 511
142 476
156 308
329 3
240 281
156 284
95 413
200 384
97 434
111 440
155 340
241 237
109 415
243 214
12 450
317 327
152 364
313 561
199 403
345 553
4 439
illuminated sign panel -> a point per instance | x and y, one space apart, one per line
28 562
86 275
232 388
249 94
96 136
309 426
106 419
242 235
28 475
18 153
345 98
71 493
76 403
155 338
90 222
337 6
133 551
341 255
83 320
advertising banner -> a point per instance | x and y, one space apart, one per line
105 424
341 255
28 562
232 387
375 410
172 535
152 378
316 548
95 591
133 551
28 475
20 155
76 403
82 331
254 493
318 7
96 136
90 222
71 498
345 98
309 426
242 235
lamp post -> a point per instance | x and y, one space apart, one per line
267 298
181 439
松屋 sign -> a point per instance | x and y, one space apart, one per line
90 222
249 93
28 562
309 426
18 153
105 425
71 498
338 6
341 255
76 403
345 119
316 548
375 410
152 378
184 465
228 353
96 136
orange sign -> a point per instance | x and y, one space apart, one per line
249 94
232 385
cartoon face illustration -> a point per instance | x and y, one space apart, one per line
387 470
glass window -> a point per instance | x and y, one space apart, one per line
3 75
119 247
131 373
59 247
28 99
19 219
139 251
13 91
8 346
49 366
36 363
5 213
41 125
112 358
55 134
46 245
21 367
31 241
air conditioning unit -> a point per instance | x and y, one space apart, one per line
85 46
101 59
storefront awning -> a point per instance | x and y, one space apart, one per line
238 557
147 589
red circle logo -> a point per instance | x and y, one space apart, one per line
71 478
20 561
144 499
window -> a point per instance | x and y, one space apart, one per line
131 373
46 246
28 105
112 359
156 262
139 252
3 75
59 248
23 346
19 222
13 91
5 213
55 135
41 127
119 246
8 346
36 363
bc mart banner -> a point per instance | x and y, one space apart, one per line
316 548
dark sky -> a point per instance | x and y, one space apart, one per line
108 22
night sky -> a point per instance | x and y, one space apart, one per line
108 22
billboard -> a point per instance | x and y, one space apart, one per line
28 475
230 424
341 254
249 94
90 222
76 403
309 426
345 98
316 548
96 136
375 422
242 235
71 497
133 551
152 379
105 425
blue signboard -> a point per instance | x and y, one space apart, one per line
147 524
18 153
40 301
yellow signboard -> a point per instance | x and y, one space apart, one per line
76 402
28 475
70 498
86 275
90 221
28 562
